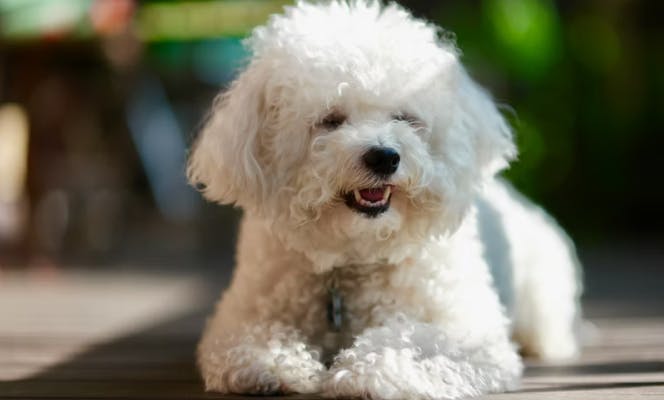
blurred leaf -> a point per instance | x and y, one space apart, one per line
528 32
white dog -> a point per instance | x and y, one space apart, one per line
364 158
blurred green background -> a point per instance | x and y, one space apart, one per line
100 98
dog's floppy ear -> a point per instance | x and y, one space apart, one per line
223 162
478 119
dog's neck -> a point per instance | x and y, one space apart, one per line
340 283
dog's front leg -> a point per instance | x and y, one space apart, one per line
260 358
409 359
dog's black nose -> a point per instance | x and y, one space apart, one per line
381 160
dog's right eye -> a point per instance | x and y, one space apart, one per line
333 121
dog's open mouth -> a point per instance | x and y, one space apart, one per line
371 201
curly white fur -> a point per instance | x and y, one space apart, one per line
422 317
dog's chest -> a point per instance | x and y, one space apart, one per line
330 309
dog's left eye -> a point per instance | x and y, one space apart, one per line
333 121
408 118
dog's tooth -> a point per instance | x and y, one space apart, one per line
386 195
358 198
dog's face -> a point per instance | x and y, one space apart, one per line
354 129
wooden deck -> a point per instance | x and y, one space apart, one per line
131 335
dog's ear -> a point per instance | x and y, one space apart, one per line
479 120
223 163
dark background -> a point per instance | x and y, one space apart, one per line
113 92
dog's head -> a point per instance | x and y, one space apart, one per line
354 128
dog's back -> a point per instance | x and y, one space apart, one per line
535 269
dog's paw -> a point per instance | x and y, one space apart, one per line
305 377
385 374
249 379
260 378
352 383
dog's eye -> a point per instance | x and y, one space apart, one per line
408 118
333 121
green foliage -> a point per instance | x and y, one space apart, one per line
527 34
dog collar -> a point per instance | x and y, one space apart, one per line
334 302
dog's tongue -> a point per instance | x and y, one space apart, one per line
373 195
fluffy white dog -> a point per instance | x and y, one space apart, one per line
364 158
